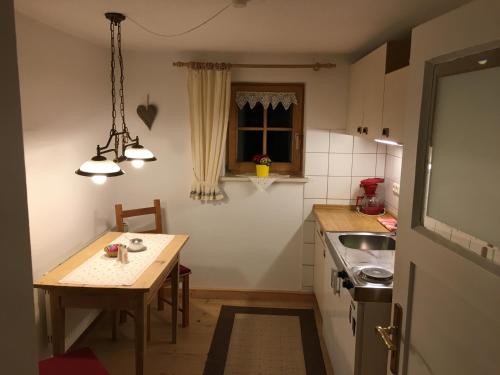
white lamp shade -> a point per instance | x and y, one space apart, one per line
139 153
99 166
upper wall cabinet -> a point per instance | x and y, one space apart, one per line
367 85
394 105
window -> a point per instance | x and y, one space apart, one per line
266 119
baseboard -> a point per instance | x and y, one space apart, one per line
253 295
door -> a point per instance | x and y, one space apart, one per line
450 297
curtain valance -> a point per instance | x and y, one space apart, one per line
265 98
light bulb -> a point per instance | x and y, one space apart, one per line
99 179
137 163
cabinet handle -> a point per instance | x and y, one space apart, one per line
334 282
359 129
385 132
365 130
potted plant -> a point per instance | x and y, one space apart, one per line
262 163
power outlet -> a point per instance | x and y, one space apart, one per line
395 188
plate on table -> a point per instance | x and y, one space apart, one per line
136 250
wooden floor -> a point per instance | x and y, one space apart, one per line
187 357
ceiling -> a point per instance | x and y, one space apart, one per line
349 27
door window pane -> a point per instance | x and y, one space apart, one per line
249 144
280 117
279 146
251 117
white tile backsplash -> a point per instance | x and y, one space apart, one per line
316 164
381 148
339 187
316 187
393 168
443 229
364 146
364 164
341 143
461 238
340 165
317 140
380 168
308 205
396 151
331 160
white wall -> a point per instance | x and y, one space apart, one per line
252 240
17 343
65 110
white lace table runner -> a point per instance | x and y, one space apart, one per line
103 270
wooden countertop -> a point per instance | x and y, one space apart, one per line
334 218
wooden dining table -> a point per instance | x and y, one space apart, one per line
135 298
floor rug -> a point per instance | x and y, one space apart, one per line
265 341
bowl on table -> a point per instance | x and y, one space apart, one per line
112 250
136 245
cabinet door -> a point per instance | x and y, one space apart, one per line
330 285
356 97
343 343
319 264
395 103
373 88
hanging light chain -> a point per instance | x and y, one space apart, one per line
122 98
113 91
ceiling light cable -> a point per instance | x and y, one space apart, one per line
183 32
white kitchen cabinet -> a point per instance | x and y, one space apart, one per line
339 336
366 94
393 116
356 99
319 266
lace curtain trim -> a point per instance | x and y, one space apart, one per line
265 98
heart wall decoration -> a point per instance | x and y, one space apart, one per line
147 113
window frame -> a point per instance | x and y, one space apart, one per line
295 167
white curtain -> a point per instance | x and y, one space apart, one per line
209 88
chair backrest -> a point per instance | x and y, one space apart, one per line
155 210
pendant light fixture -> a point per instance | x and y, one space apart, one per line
120 143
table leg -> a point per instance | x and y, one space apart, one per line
114 322
161 296
57 316
140 334
175 300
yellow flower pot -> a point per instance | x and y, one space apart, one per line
262 170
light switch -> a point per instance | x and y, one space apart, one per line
395 188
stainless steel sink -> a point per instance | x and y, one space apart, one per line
367 241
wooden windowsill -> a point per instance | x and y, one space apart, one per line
284 179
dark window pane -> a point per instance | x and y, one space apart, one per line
279 146
280 117
251 117
249 144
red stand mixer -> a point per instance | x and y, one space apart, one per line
370 204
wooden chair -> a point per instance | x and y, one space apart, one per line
184 272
